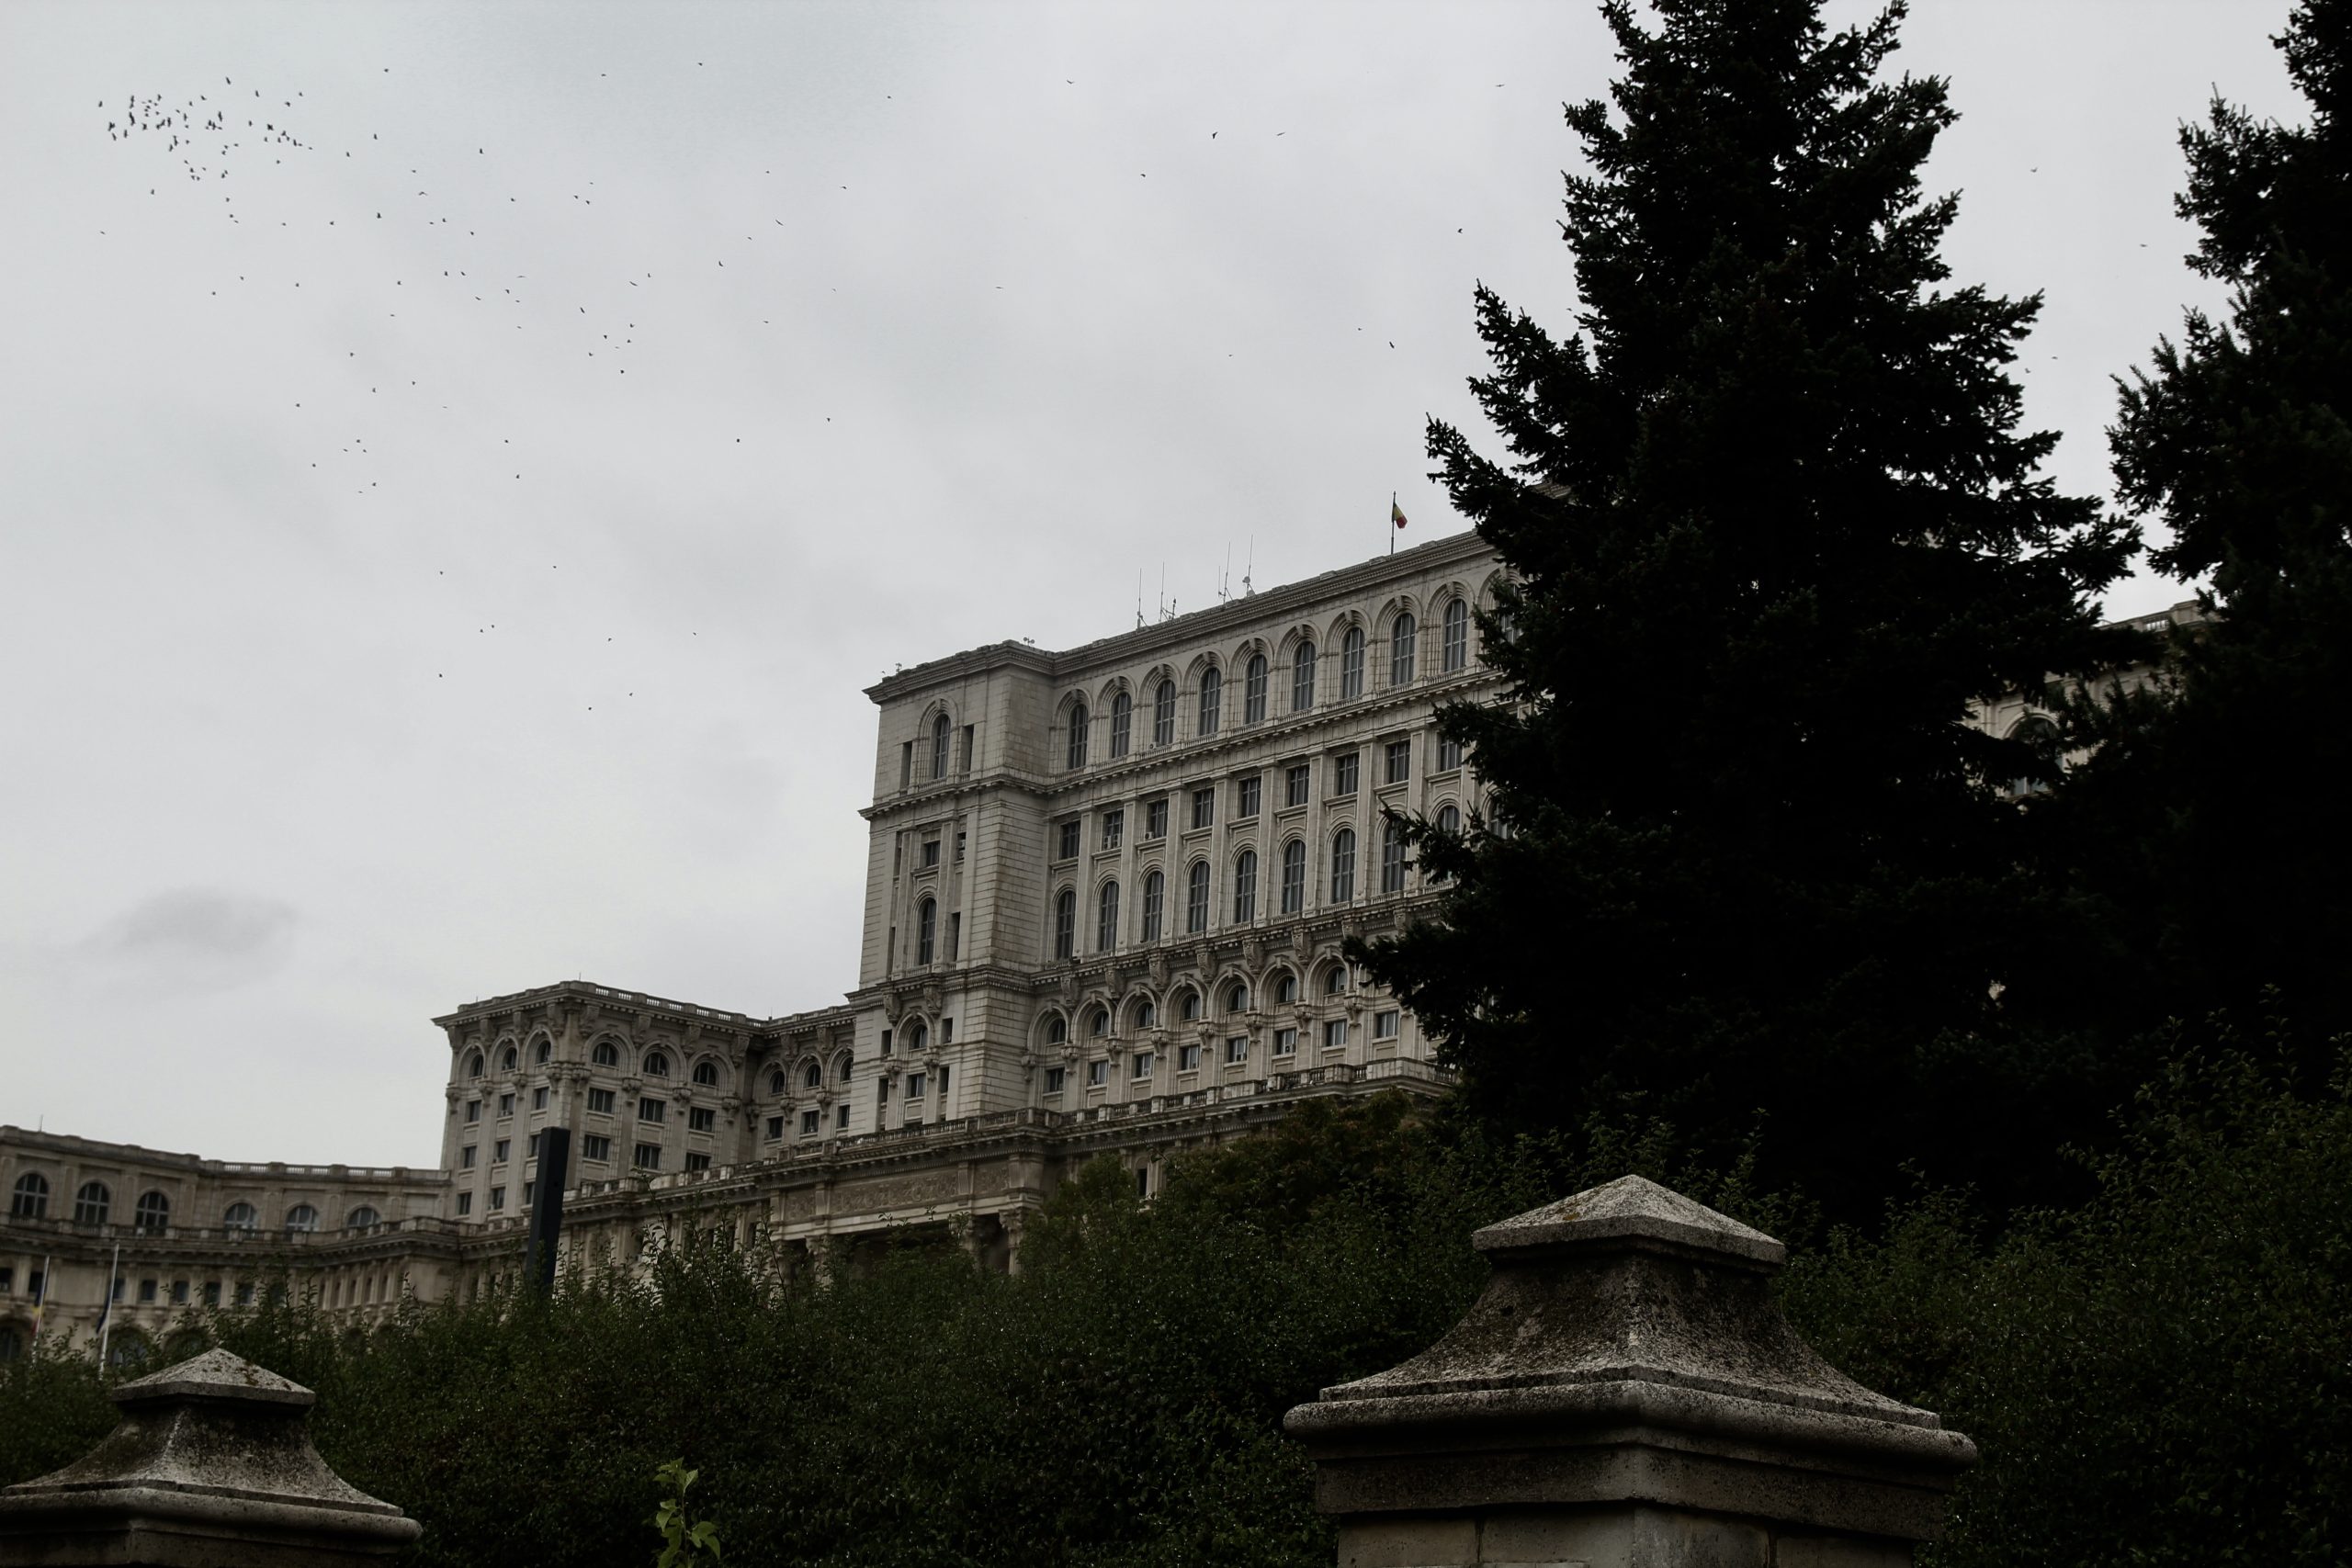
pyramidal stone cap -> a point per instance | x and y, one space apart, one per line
1629 1348
216 1374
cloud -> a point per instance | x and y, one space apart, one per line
191 939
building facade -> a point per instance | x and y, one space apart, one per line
1106 894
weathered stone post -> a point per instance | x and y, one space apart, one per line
1626 1394
212 1467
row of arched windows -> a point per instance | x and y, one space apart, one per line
1404 661
812 1074
1186 1005
654 1064
94 1204
1289 891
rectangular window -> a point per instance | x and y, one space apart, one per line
1065 839
1244 796
1153 890
646 1156
1055 1078
539 1098
1114 828
179 1292
467 1155
1097 1074
8 1282
531 1147
775 1128
1245 887
595 1149
1294 877
529 1190
965 764
1385 1024
1205 805
465 1207
1296 781
497 1199
1449 753
473 1111
1400 762
498 1151
1391 858
1142 1072
1335 1033
960 848
212 1292
954 936
918 1085
906 765
1188 1058
505 1106
1106 918
1196 897
697 1162
1155 818
701 1119
1285 1042
146 1292
1236 1050
841 1116
600 1102
930 851
650 1110
1351 664
1344 774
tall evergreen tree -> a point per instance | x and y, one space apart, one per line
1772 526
2216 809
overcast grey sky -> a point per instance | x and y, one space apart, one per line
445 557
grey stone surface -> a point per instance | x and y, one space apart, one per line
1627 1391
211 1467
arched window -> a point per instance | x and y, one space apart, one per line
918 1037
1098 1022
473 1065
1057 1030
812 1075
1335 980
508 1061
844 1067
1188 1005
242 1219
1344 866
541 1051
152 1212
1351 664
301 1220
1212 696
1163 714
1403 641
777 1084
1253 689
359 1219
706 1073
605 1055
938 733
657 1065
1065 924
30 1199
1391 858
1076 759
1123 723
1196 897
1285 987
1449 822
92 1203
1236 997
1301 677
1294 876
1106 918
1455 654
926 930
1146 1015
1155 893
2038 732
1245 887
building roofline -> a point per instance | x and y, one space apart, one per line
98 1148
1233 614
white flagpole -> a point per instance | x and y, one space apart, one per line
41 1298
1392 522
106 1307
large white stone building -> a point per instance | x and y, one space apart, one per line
1107 891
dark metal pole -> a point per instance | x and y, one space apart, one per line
547 1206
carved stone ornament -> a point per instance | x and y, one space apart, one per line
1068 985
1159 967
931 998
1253 953
892 1006
1202 960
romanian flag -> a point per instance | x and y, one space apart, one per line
1396 512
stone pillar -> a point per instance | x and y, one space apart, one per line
212 1467
1626 1394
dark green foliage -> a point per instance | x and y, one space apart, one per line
1774 526
2214 819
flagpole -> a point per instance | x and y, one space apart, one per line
1392 522
40 1297
106 1307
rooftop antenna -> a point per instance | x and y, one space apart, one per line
1139 598
1225 574
1249 562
